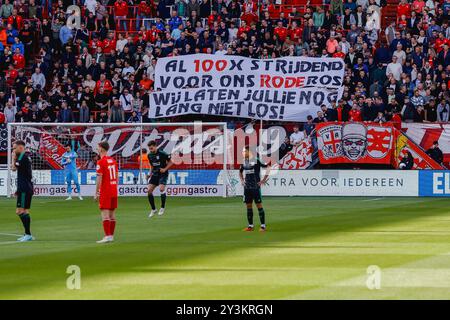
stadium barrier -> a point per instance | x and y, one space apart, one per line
379 183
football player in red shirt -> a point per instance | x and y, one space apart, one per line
106 191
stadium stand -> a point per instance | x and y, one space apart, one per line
96 63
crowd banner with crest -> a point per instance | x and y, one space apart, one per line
282 89
368 143
355 142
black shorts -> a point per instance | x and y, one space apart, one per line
24 199
157 179
251 195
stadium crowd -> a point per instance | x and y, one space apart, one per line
97 64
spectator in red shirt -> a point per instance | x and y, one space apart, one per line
274 13
152 34
440 41
339 53
403 9
213 17
295 32
397 120
244 28
95 43
355 113
104 84
249 11
121 13
18 60
11 75
146 83
281 31
109 44
143 12
418 5
15 20
402 21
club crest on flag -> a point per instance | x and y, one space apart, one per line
379 141
330 141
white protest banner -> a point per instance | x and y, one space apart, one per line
279 105
212 71
282 89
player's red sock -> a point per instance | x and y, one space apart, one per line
107 227
112 227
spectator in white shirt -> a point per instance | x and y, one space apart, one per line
400 54
297 136
120 44
394 68
221 50
90 5
38 79
127 70
126 101
443 111
10 112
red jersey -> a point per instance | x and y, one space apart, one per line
121 9
241 30
213 18
11 76
16 21
355 115
295 33
106 85
107 168
151 35
339 54
19 61
273 12
281 32
108 45
144 9
403 9
439 44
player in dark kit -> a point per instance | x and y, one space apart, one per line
22 164
250 174
160 164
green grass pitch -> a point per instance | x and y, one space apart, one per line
315 248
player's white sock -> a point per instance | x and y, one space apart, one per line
69 197
80 197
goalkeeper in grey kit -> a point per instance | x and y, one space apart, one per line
250 175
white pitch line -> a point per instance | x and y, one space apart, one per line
9 242
11 234
376 199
